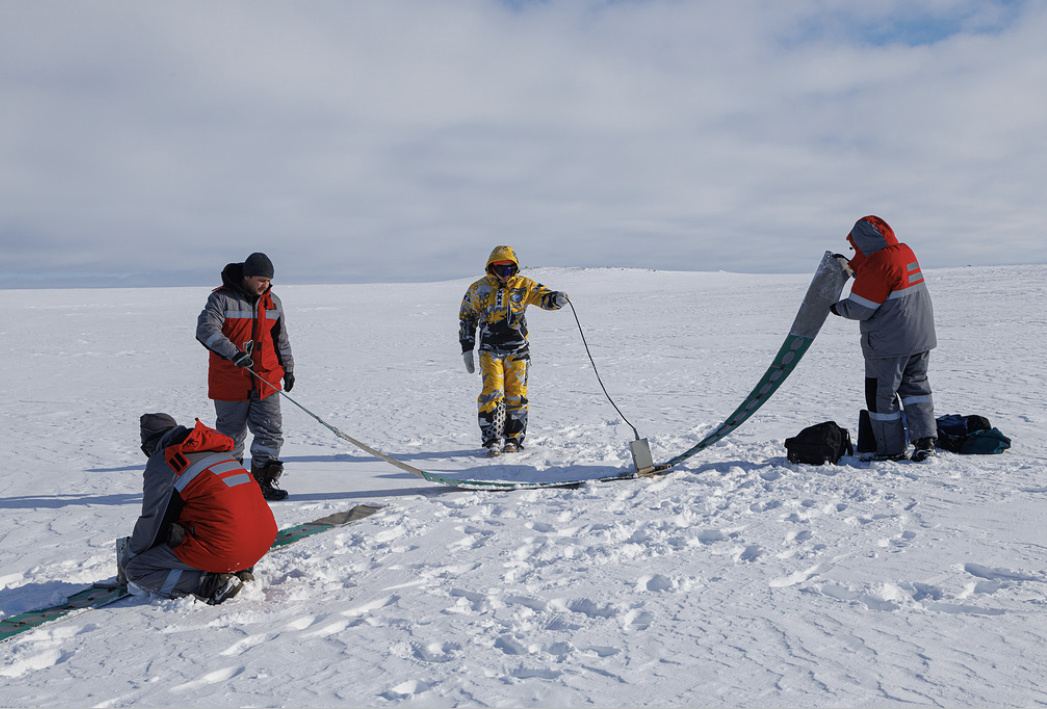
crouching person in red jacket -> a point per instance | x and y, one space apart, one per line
204 521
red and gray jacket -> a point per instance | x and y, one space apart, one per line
233 322
201 502
889 295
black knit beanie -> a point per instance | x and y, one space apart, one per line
258 264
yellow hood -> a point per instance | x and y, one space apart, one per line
502 253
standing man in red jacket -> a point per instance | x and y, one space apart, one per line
204 522
889 297
244 328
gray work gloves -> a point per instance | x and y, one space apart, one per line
470 365
560 299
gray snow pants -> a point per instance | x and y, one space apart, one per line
159 571
885 381
264 420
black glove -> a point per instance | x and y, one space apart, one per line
243 360
832 309
288 381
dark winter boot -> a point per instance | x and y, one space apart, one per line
218 588
267 476
924 449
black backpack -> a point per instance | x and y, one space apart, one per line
819 444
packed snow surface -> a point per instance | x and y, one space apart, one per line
737 580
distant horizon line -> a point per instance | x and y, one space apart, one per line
54 281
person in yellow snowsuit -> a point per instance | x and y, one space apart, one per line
495 306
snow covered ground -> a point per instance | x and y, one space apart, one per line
739 580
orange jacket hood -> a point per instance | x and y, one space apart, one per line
869 235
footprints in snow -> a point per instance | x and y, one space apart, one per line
216 677
406 690
888 596
903 595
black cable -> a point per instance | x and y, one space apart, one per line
597 372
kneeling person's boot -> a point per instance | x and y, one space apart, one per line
123 555
267 476
218 588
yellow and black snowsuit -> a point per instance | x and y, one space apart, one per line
497 309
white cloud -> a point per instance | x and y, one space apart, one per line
401 140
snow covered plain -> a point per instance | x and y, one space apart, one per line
739 580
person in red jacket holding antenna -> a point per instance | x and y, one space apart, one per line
889 297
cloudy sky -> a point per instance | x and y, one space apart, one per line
150 143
